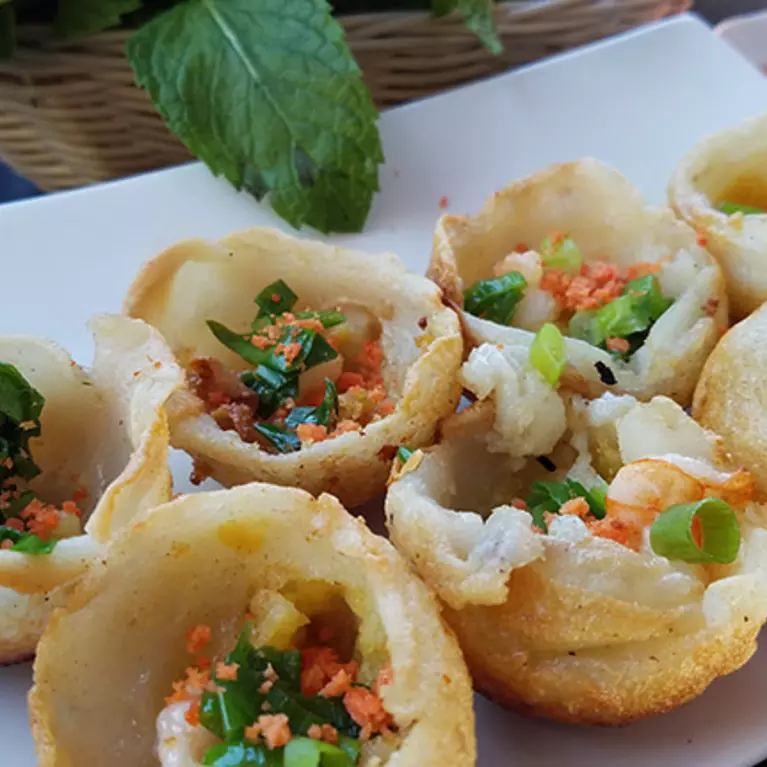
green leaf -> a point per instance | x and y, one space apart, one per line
646 293
267 93
272 387
19 400
561 252
86 17
26 543
548 353
630 316
242 755
283 440
747 210
21 406
239 702
479 19
240 344
276 298
305 752
672 533
7 31
495 299
328 317
325 414
404 453
551 496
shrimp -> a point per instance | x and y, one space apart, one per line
643 489
528 264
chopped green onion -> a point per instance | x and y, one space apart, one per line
275 377
617 319
242 755
560 252
351 746
732 207
646 292
671 535
239 344
580 325
276 298
306 752
496 299
404 453
283 440
328 317
237 703
325 414
272 387
20 403
551 496
630 316
26 543
320 351
548 353
314 348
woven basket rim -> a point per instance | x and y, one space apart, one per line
38 35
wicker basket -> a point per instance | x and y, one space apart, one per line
70 114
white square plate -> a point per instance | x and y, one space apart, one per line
748 34
638 102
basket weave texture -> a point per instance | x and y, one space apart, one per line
70 114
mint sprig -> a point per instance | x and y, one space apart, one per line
86 17
479 19
267 94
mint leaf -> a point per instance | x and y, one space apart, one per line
479 19
267 93
7 29
86 17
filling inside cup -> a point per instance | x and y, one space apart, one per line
28 523
676 505
292 691
313 374
597 301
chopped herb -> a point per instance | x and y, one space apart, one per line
561 252
272 387
580 325
325 414
606 376
305 752
242 755
239 344
404 453
551 496
673 533
282 439
496 299
26 543
276 298
239 702
288 350
548 353
328 317
20 408
747 210
630 316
